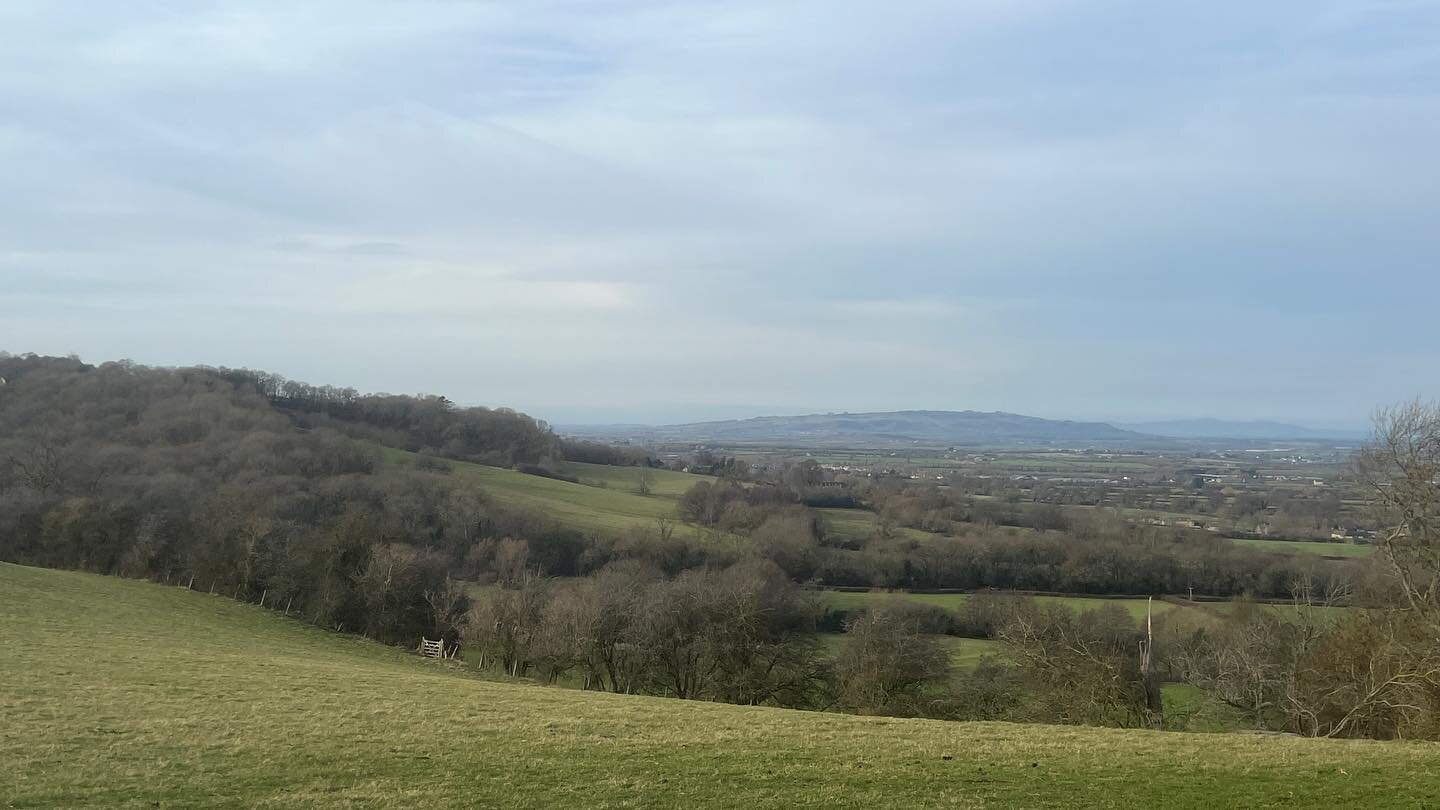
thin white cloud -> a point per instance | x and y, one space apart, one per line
844 204
482 294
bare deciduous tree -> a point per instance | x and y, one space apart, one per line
505 625
888 664
643 478
1402 469
447 605
1084 668
512 560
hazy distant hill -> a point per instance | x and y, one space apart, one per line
946 427
1222 429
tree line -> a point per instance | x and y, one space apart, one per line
137 471
1095 553
429 424
746 633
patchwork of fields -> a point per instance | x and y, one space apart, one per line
126 693
607 501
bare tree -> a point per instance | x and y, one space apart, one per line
39 460
566 632
1401 466
1085 668
888 664
505 625
512 561
447 605
613 661
463 514
1309 670
761 637
643 480
669 627
385 584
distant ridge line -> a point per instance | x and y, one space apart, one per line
967 427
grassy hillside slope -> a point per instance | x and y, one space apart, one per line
117 693
663 483
603 502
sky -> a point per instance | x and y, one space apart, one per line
661 212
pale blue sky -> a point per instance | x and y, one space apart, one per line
608 211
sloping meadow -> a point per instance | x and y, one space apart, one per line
119 692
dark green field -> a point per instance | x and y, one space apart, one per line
118 693
855 600
1304 547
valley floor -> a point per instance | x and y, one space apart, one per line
126 693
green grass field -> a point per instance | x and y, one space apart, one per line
859 524
1188 707
1309 547
663 483
587 506
605 500
1285 610
965 653
855 600
119 693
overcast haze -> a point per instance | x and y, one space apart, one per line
628 211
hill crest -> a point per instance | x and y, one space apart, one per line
949 427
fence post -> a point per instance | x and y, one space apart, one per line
262 596
190 583
287 605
